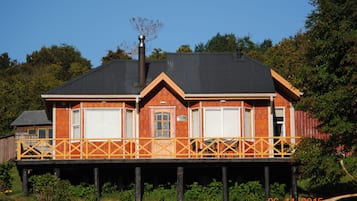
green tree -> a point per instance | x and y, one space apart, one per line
222 43
331 77
63 56
157 54
22 84
118 54
184 48
288 58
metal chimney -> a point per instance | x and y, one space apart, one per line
142 67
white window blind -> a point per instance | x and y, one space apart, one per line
230 122
248 131
76 126
195 123
102 123
222 122
129 124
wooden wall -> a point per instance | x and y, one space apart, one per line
7 148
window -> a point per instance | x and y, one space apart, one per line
195 123
102 123
76 126
248 123
129 124
162 125
42 133
279 122
32 131
222 122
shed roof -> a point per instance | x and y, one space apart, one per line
32 117
194 73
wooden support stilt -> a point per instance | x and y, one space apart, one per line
266 182
293 183
225 184
25 189
138 193
96 183
179 188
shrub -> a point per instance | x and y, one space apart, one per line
84 191
5 178
251 190
48 187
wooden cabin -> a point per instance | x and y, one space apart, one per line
191 110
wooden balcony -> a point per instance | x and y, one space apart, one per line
156 148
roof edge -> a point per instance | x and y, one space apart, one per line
294 91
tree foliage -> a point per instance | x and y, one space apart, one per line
330 81
118 54
184 48
22 84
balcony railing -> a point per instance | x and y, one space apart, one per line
136 148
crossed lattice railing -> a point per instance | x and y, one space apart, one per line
133 148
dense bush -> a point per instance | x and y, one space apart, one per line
5 178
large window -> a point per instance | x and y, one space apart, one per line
102 123
76 126
279 121
222 122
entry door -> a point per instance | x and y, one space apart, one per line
162 132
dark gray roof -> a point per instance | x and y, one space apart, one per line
32 117
195 73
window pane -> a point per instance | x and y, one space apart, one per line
129 127
166 116
279 112
75 117
32 132
248 123
162 124
42 133
231 122
213 125
102 123
50 133
195 126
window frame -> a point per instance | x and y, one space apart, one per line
222 122
132 120
75 125
86 124
251 136
280 122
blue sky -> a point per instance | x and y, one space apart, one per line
96 26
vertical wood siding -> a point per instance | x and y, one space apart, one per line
307 126
7 148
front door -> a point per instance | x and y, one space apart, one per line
163 131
